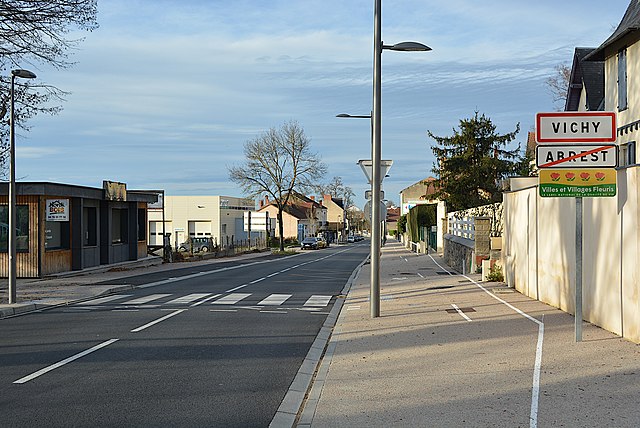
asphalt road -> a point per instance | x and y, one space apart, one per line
216 347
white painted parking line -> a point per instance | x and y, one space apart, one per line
459 311
105 299
145 299
231 299
188 298
135 330
274 299
65 361
318 300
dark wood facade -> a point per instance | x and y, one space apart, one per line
98 231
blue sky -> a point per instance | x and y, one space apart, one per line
165 93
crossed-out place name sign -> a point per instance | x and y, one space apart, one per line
577 156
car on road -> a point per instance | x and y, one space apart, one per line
309 243
322 243
351 238
196 245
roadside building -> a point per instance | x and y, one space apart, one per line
335 217
219 218
301 217
62 227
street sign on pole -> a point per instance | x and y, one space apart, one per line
367 195
577 183
367 167
577 156
574 127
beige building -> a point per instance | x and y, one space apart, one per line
217 217
335 215
302 217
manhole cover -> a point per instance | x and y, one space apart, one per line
463 310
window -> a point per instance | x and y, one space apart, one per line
90 227
119 224
622 80
22 228
142 224
56 235
224 229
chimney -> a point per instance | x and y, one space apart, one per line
261 204
313 198
266 199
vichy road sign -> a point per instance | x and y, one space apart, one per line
574 127
577 156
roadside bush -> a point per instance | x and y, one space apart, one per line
495 274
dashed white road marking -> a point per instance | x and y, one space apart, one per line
231 299
459 311
143 327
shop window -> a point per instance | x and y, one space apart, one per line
57 235
90 226
142 224
22 228
119 228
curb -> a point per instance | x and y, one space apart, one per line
303 391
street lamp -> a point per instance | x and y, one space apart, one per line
376 148
24 74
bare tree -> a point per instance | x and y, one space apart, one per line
278 162
338 189
558 84
34 32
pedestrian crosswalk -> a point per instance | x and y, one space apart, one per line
197 299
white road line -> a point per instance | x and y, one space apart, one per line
236 288
273 312
231 299
145 299
318 300
274 299
105 299
420 275
135 330
257 280
223 310
65 361
353 307
205 300
535 388
462 314
273 274
187 299
285 270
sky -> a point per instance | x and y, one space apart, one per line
164 94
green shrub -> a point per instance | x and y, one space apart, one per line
495 274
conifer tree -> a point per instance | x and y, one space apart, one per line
471 163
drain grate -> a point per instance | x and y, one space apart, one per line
463 310
441 272
440 287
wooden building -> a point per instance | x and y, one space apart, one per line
63 227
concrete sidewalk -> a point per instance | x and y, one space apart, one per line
62 289
449 351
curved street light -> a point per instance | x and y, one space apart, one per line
24 74
376 180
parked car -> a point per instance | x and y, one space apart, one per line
198 244
322 243
351 238
309 243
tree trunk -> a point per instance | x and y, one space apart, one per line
281 228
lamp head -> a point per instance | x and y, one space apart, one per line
25 74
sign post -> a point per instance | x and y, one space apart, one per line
581 168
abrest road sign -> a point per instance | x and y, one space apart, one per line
577 156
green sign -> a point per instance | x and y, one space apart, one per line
587 183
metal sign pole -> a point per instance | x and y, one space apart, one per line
578 290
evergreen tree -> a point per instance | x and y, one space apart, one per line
471 163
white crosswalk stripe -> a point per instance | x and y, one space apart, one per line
231 299
146 299
318 300
187 299
274 299
105 299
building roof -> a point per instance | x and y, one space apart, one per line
587 74
630 24
73 191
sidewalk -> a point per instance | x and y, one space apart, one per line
449 351
62 289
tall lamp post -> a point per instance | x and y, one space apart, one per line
376 148
24 74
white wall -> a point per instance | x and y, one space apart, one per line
539 255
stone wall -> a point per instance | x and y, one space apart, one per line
458 253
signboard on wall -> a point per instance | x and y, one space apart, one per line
57 210
114 191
